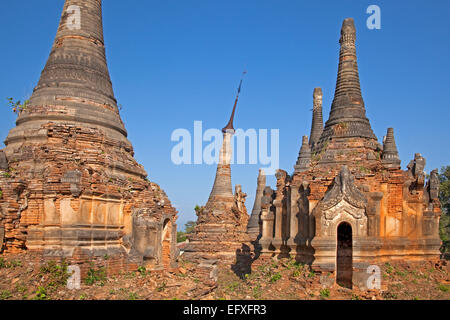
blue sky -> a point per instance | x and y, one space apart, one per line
173 62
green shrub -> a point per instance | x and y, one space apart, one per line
96 275
41 294
443 287
275 277
5 294
325 293
57 273
133 296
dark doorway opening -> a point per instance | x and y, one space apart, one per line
344 255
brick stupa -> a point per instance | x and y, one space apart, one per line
70 184
348 204
222 223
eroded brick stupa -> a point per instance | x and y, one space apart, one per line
69 182
348 204
221 227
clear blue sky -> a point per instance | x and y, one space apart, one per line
173 62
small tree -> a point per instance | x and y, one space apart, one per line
17 106
444 197
189 226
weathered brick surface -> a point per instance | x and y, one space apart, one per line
70 184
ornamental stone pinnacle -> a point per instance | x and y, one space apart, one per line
317 120
390 156
348 115
253 223
304 156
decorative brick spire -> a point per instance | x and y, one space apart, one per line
253 223
390 156
348 114
75 85
317 120
74 164
222 188
304 156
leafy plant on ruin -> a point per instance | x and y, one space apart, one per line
96 275
5 294
55 274
9 264
355 297
325 293
443 287
17 106
275 277
143 271
41 294
162 287
133 296
6 174
389 269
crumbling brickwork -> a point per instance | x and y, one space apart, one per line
69 182
346 180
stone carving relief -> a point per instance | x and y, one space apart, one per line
434 185
267 199
344 189
343 202
239 198
416 167
141 242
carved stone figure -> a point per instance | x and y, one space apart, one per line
434 184
239 197
267 199
416 167
144 231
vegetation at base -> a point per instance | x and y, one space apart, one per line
325 293
96 276
444 197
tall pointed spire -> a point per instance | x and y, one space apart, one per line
222 188
253 222
348 114
317 120
229 125
390 156
304 156
75 85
